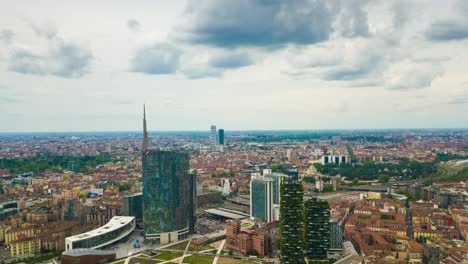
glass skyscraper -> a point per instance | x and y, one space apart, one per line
221 136
336 235
277 178
169 194
133 206
261 197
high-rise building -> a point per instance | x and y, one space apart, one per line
261 199
292 222
336 235
277 178
193 202
317 229
213 137
221 136
169 193
167 196
133 206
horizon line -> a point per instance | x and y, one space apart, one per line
238 130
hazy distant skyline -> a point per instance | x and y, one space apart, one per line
241 65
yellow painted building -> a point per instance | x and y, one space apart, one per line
15 234
29 245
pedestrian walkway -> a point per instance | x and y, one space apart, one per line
220 248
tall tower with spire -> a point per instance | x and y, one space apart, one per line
144 143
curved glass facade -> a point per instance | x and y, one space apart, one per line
117 228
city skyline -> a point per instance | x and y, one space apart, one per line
262 65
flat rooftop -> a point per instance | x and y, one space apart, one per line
228 214
115 223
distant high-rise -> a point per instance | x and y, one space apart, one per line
144 143
292 222
169 193
221 136
317 229
334 159
261 199
213 137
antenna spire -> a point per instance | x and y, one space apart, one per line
144 144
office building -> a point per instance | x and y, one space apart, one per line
133 206
193 202
117 228
292 223
169 196
317 229
213 137
277 178
221 136
336 235
226 187
261 199
8 209
334 159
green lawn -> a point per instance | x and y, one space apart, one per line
168 255
143 261
198 259
179 246
200 248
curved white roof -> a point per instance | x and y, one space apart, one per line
115 223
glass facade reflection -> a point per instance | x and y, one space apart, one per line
167 194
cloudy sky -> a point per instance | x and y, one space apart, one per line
240 64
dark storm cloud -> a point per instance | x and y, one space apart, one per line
67 60
156 59
258 23
6 35
230 60
447 30
133 24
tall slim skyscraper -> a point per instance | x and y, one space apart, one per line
213 137
221 136
317 229
292 223
261 199
169 193
144 143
